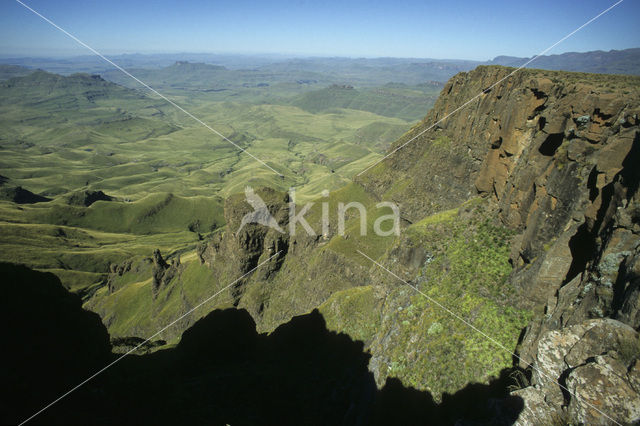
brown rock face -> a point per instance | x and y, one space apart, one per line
559 155
298 280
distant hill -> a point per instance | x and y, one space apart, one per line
377 71
202 77
388 87
183 72
223 72
96 65
392 100
73 110
42 87
9 71
612 62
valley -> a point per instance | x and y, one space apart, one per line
164 175
513 282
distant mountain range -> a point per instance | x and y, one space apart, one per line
355 71
612 62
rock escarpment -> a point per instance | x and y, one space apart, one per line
241 247
585 373
558 155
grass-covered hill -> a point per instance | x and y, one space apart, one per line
9 71
134 144
50 109
162 176
391 100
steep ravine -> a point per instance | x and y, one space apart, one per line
520 213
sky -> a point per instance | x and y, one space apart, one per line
399 28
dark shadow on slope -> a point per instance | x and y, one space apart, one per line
20 195
630 171
551 144
49 343
582 245
87 198
623 186
222 372
475 404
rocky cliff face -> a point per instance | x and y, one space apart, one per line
558 155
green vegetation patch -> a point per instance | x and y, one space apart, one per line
355 311
132 310
465 271
406 102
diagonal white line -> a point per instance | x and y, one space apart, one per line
486 336
143 343
149 87
492 86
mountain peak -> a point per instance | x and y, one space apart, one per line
196 66
626 61
41 77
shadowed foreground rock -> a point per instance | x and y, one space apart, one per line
221 372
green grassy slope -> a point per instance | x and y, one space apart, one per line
60 136
78 126
9 71
411 336
393 100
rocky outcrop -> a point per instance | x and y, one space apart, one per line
586 373
240 249
565 180
115 271
162 272
601 263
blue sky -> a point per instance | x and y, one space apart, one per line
399 28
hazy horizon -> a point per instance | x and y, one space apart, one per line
408 29
274 55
